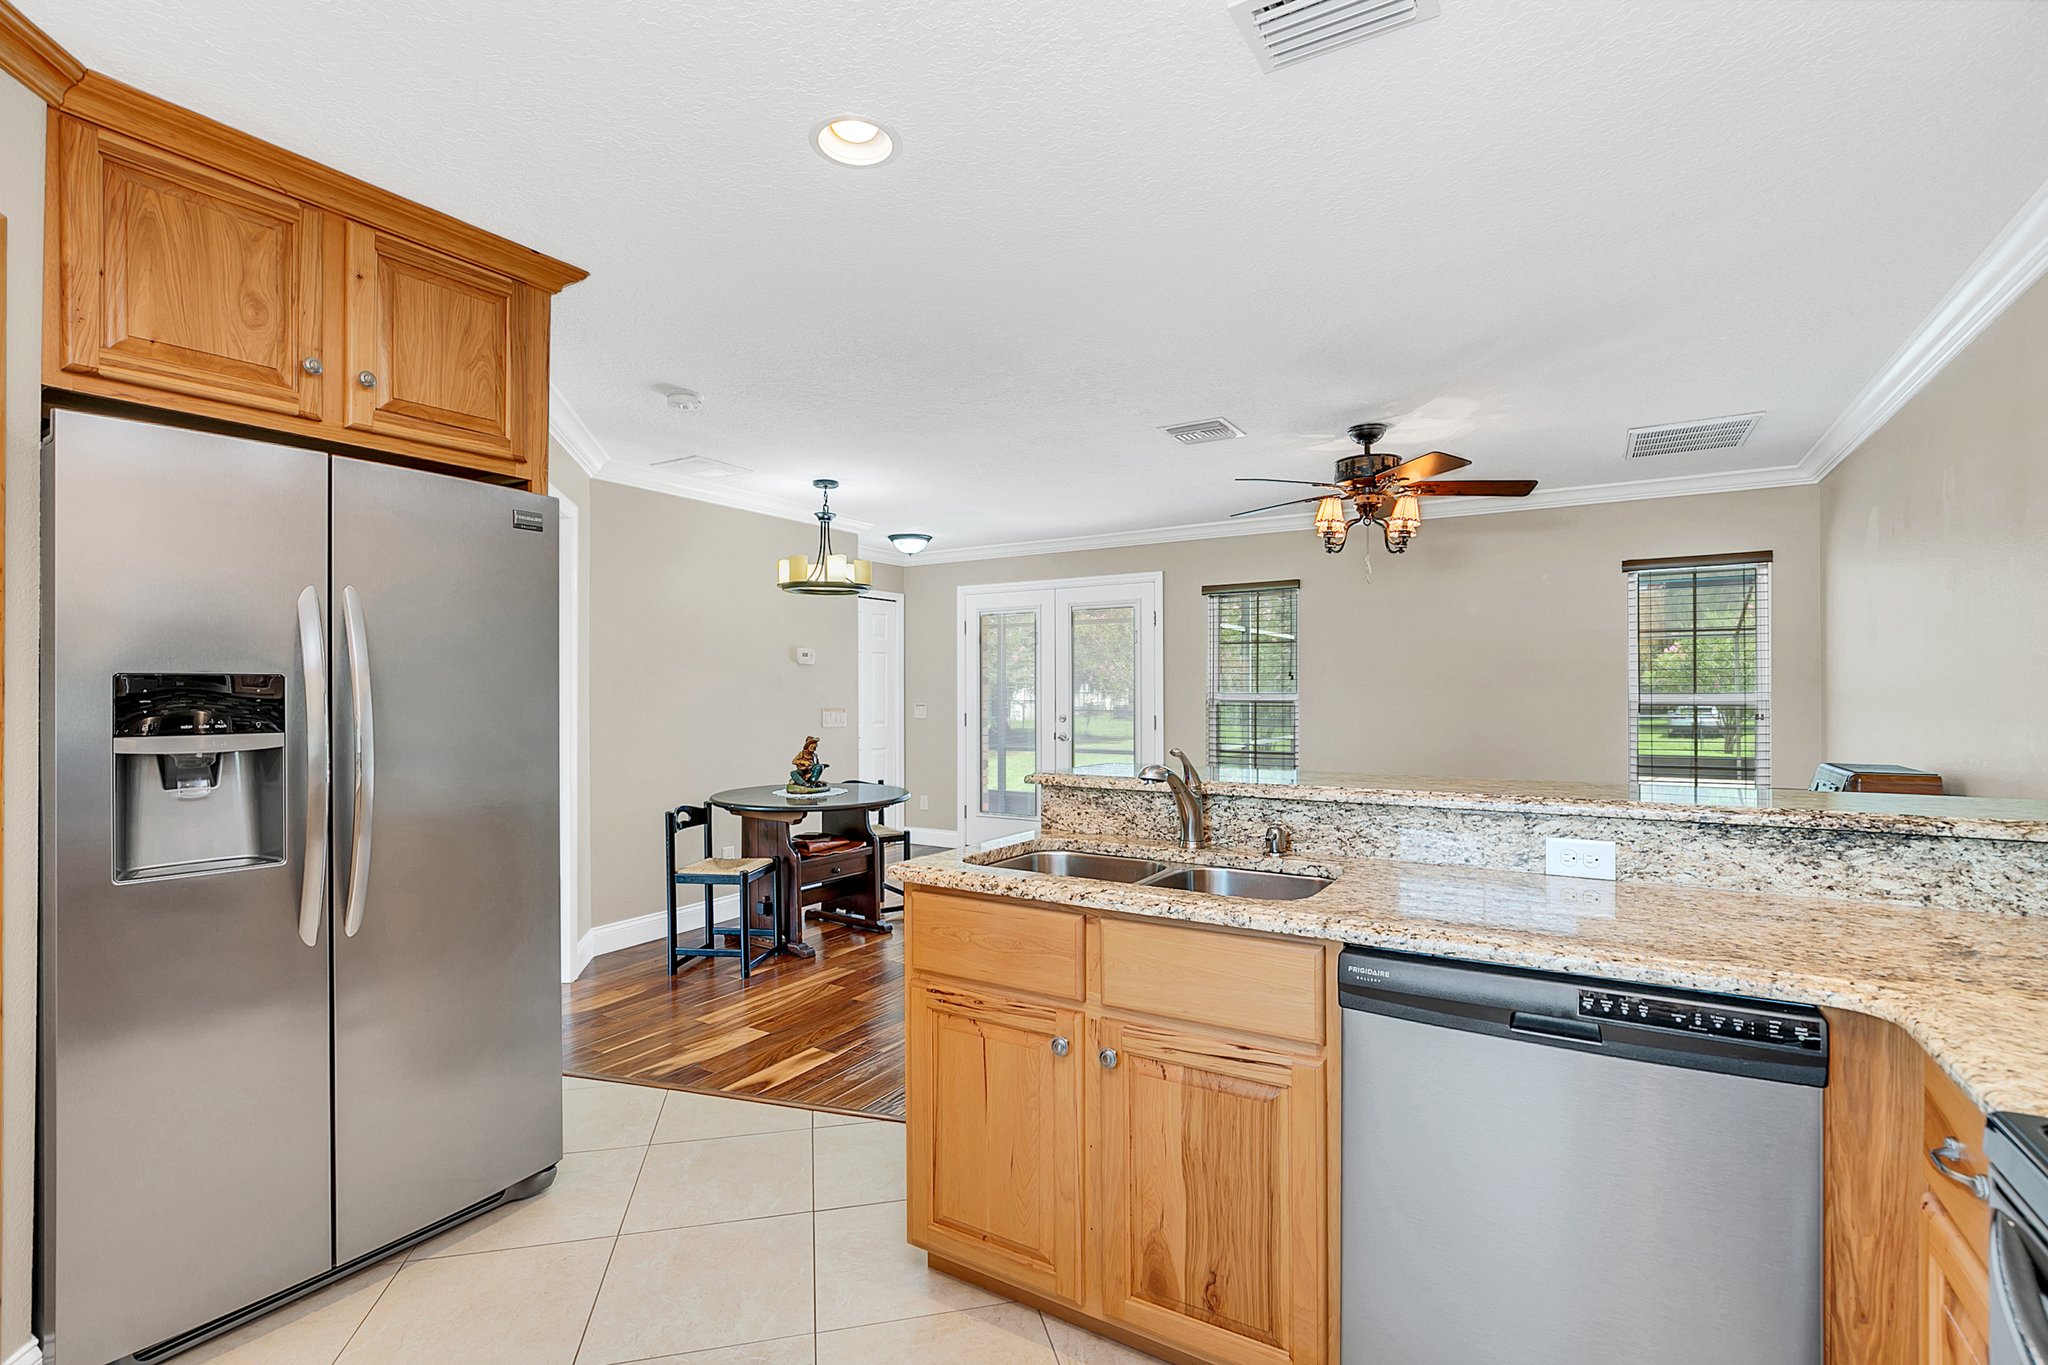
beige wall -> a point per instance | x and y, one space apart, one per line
1496 647
693 683
22 117
1936 532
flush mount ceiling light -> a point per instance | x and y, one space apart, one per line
826 574
909 542
853 141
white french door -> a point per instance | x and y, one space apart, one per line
1053 675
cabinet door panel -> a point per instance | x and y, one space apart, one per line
1956 1292
448 347
995 1136
1211 1193
180 278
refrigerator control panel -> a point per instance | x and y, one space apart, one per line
1803 1031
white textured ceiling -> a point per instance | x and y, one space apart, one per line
1515 230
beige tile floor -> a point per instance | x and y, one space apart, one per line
682 1230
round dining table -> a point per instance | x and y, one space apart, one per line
845 885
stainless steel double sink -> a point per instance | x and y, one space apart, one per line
1245 883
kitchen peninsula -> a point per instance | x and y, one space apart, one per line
1212 1036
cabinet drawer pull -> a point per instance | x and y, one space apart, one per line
311 365
367 380
1060 1047
1953 1150
1108 1058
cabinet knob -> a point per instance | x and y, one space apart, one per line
367 380
1108 1058
311 365
1060 1047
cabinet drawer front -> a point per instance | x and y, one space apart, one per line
1020 947
1949 1113
1261 985
830 865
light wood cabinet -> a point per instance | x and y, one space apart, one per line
178 278
995 1134
195 269
1955 1292
440 351
1210 1169
1154 1163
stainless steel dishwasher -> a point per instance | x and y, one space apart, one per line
1548 1170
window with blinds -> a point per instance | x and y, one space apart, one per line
1254 702
1699 678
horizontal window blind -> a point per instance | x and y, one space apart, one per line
1254 700
1699 690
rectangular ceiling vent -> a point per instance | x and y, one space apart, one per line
1201 433
700 467
1689 438
1283 32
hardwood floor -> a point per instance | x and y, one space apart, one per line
824 1033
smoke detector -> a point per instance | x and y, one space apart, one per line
1690 438
1201 433
1283 32
685 400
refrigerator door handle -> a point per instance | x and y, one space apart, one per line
313 867
362 716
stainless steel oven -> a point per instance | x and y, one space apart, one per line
2018 1147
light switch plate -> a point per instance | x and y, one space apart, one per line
834 717
924 803
917 711
1579 858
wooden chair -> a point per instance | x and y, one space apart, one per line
712 873
887 834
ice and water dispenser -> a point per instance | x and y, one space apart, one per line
199 773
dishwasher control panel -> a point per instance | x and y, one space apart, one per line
1802 1031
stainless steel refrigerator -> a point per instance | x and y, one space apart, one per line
300 871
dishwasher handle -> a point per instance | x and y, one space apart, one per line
1551 1026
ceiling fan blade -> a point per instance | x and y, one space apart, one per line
1476 488
1426 466
1293 502
1311 483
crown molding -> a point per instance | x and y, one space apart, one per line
35 59
566 429
2016 258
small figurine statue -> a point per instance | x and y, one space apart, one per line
807 776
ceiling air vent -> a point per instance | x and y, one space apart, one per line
1689 438
700 467
1283 32
1201 433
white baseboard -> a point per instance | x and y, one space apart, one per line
29 1352
944 838
630 933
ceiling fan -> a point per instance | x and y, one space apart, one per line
1384 488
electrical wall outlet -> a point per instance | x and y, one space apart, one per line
727 853
924 803
832 717
1579 858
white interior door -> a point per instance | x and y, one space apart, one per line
881 688
1053 676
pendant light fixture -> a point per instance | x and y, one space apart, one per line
825 574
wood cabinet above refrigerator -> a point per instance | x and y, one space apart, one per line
197 269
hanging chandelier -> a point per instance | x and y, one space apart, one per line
824 574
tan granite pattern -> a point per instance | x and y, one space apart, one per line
1971 988
1903 863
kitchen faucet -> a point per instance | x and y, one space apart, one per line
1187 798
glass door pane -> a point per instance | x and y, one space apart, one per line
1009 713
1103 644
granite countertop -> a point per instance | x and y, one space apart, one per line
1971 988
1956 817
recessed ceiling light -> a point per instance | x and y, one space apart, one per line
853 141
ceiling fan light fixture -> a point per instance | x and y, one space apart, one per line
1332 523
1403 520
